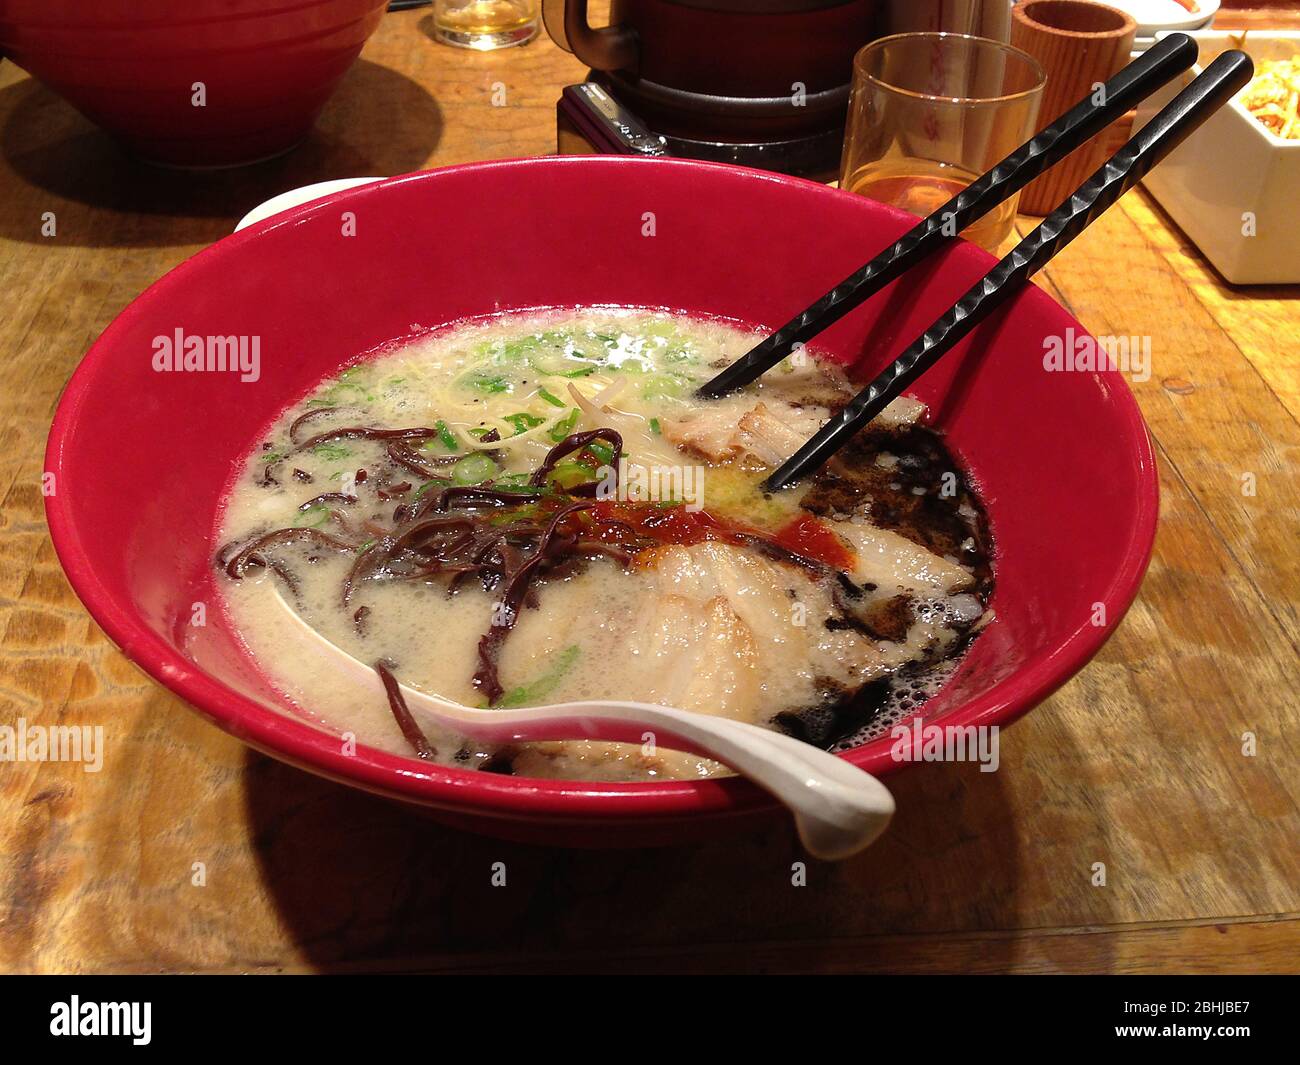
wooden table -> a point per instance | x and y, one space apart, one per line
1136 764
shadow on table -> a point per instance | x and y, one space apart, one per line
378 123
362 883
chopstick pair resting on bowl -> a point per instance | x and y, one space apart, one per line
1217 84
839 808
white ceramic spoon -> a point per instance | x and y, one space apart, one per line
838 808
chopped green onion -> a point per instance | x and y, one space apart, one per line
319 511
331 451
602 451
489 383
553 400
517 512
474 469
569 474
523 421
531 694
518 482
564 427
654 427
445 435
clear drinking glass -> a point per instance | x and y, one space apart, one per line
931 112
485 24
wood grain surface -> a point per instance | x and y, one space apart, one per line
1138 763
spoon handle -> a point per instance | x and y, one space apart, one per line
838 808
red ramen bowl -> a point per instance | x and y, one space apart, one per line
193 83
133 522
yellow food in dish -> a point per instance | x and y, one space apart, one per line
1273 97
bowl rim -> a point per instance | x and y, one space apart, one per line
301 743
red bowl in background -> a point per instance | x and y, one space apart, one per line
140 458
266 67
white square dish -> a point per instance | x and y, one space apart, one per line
1232 185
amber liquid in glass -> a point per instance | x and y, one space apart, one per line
486 22
922 187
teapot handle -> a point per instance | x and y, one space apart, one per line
612 48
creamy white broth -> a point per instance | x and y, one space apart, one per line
717 626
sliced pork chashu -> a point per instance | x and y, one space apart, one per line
896 564
768 431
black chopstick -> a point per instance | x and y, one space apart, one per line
1214 87
1170 56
